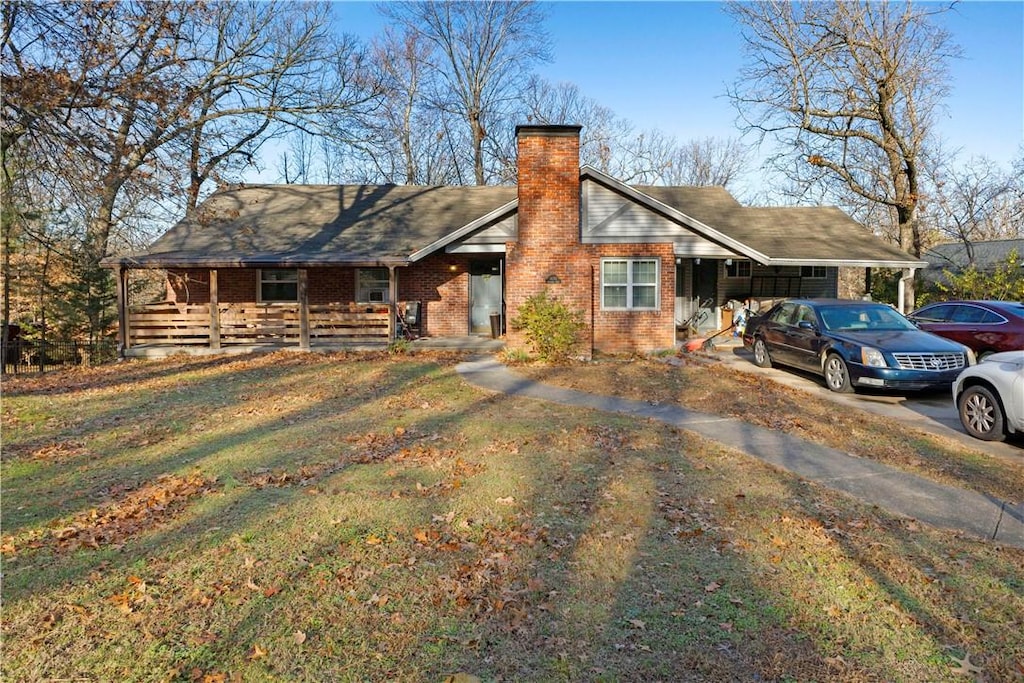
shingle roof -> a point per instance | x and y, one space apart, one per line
299 225
782 234
316 224
987 254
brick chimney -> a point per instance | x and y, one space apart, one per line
548 253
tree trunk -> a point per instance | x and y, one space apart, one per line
477 131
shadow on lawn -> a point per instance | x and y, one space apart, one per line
86 481
916 570
550 578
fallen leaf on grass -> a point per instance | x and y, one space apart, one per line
638 624
257 652
712 587
299 637
113 523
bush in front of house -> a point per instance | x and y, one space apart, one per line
551 327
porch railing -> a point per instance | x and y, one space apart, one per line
250 323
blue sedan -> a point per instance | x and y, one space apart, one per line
854 344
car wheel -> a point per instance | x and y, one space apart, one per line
981 414
837 375
761 357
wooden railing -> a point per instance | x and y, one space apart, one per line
249 323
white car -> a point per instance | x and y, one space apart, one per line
990 396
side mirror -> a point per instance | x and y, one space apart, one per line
807 325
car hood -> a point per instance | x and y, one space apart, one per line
900 341
1012 357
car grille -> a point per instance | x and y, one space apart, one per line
930 361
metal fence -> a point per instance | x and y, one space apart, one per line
27 355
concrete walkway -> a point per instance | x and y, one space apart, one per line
898 492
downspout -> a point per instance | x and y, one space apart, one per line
593 322
901 288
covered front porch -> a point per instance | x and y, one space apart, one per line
216 308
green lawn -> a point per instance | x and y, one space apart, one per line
354 517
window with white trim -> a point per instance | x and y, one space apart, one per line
813 272
629 284
738 268
372 285
279 284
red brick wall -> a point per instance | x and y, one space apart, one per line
444 293
239 285
636 331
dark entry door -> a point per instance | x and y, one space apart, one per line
705 291
485 294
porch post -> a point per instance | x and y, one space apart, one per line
214 311
303 288
123 332
393 307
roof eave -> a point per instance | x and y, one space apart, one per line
846 263
146 261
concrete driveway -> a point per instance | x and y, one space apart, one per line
929 411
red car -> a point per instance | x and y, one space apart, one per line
984 326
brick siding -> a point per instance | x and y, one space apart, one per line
549 244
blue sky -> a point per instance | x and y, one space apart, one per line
666 65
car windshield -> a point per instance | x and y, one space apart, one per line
866 317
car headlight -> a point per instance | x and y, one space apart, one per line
971 358
872 357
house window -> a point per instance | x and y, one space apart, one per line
279 284
372 285
738 268
812 272
630 284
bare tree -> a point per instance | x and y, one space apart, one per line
259 70
118 98
482 52
707 161
849 90
406 138
975 202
